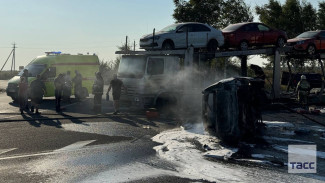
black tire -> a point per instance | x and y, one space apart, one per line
213 45
166 104
168 45
14 99
281 42
243 45
311 50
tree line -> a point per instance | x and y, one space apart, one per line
294 16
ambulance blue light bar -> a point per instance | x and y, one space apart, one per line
53 53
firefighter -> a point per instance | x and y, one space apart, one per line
98 87
302 89
67 87
116 84
37 89
22 94
77 80
58 83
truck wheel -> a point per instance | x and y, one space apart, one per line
165 104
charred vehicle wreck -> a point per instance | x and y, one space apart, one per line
231 108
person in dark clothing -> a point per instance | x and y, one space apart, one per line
98 87
67 87
58 83
117 85
37 89
259 73
22 94
77 80
25 76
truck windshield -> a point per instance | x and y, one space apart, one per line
33 69
132 67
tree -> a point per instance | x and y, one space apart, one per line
293 17
308 17
292 22
321 16
271 14
217 13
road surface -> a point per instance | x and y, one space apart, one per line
78 145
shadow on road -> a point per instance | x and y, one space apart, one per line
37 120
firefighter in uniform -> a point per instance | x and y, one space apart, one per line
98 87
302 89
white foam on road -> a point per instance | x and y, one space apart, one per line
177 147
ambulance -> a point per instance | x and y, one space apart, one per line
52 64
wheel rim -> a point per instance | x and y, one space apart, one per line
281 42
311 50
243 46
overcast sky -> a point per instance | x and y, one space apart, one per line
80 26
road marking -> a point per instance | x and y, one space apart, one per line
2 151
72 147
75 146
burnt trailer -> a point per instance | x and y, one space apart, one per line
231 108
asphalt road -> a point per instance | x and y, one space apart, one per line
78 145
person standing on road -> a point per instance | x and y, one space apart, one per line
77 80
25 76
116 84
98 87
67 87
37 89
303 88
58 83
22 94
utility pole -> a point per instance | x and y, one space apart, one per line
13 61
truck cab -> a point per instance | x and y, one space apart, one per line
152 81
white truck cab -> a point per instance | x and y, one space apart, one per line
152 81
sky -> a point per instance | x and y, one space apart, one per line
81 26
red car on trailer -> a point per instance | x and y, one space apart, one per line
245 35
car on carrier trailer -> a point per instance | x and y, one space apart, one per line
182 35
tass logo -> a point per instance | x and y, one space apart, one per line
302 165
302 159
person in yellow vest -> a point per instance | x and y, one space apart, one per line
302 89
